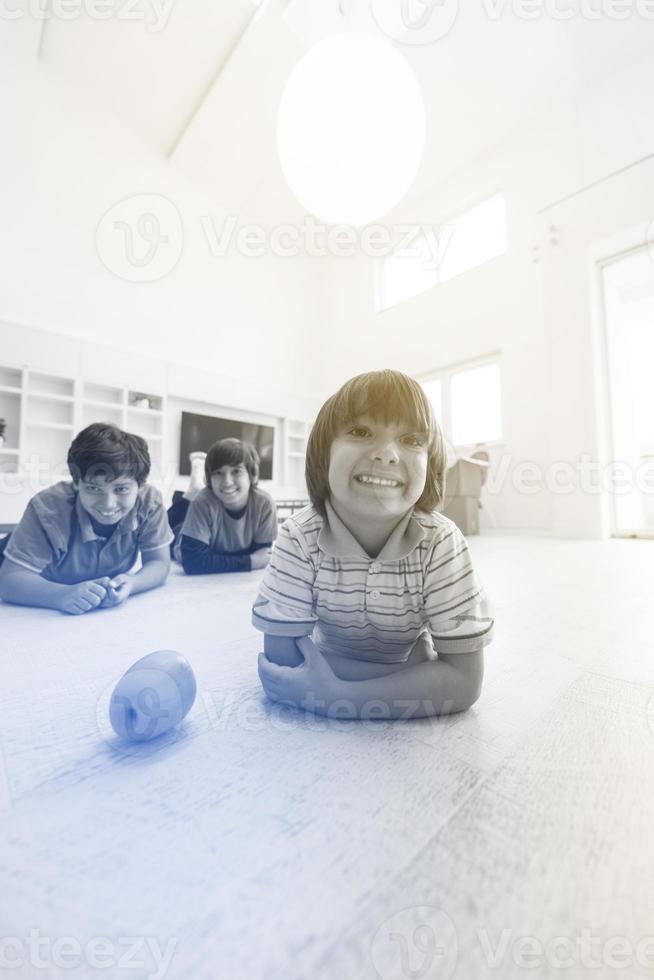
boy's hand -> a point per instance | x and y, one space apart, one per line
83 597
118 589
259 559
309 686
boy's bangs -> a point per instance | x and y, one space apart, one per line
387 398
109 468
230 452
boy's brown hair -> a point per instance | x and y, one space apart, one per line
102 449
231 452
388 396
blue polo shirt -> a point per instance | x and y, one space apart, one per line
56 537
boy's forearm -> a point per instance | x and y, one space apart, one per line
25 588
420 690
198 558
150 576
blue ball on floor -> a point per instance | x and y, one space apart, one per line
153 696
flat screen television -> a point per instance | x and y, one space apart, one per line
201 431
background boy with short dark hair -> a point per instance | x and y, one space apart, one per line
76 543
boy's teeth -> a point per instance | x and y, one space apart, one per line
378 481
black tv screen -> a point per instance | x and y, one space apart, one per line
201 431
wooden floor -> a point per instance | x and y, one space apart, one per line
257 843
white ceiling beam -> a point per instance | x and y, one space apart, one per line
261 11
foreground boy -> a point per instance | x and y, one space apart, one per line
77 542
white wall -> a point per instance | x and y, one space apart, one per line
278 335
64 163
533 303
232 333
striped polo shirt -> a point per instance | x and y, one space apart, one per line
321 582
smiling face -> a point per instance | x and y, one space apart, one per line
107 501
231 484
377 471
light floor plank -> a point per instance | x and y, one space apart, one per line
261 843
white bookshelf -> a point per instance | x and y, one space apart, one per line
11 395
44 411
295 435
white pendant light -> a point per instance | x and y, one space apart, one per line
351 129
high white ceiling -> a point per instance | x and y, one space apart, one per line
200 80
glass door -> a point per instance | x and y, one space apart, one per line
628 290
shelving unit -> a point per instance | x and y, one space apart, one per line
11 384
102 403
144 416
127 409
295 447
42 413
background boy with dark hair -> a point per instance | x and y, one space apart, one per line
231 523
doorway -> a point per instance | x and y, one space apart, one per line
628 294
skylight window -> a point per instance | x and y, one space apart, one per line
467 241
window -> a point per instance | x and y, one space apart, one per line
469 240
434 392
467 401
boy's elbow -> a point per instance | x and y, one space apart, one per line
469 680
470 694
6 589
472 685
189 565
157 571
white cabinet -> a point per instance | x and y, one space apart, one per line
11 394
295 449
42 413
133 411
